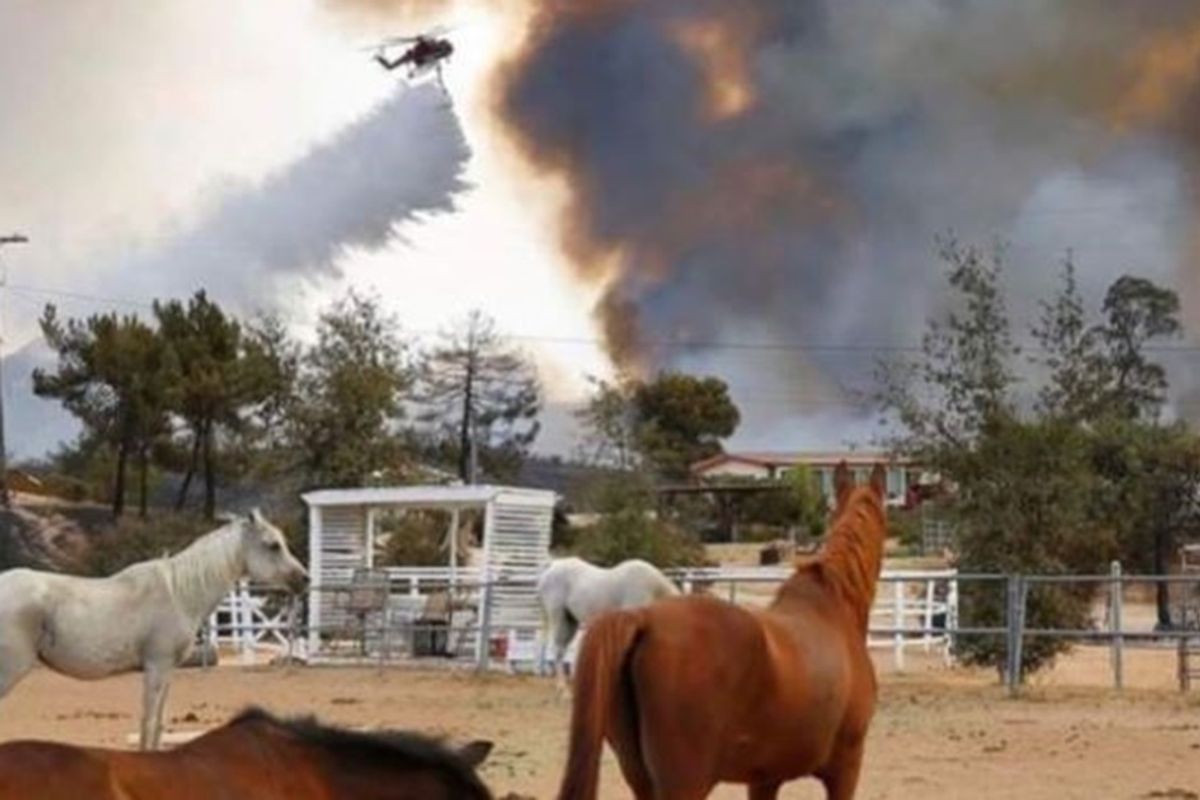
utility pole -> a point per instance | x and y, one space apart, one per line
15 238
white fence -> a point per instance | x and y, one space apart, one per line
253 622
912 610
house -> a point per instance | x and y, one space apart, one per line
904 478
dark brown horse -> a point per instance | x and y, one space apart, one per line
254 757
692 691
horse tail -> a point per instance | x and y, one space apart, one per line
607 646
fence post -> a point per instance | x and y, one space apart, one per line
898 621
951 617
927 619
1012 671
484 652
1115 595
245 620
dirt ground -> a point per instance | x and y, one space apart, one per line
940 733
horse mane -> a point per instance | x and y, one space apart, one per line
382 748
213 559
852 556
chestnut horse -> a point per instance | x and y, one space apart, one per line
254 756
693 691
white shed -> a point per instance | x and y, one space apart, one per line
516 544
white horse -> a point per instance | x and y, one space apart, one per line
571 592
146 616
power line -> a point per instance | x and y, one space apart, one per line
832 348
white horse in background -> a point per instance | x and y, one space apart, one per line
571 592
145 616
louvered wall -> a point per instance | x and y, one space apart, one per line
343 549
518 549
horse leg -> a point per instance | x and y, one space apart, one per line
625 740
841 776
16 659
564 632
764 791
155 680
547 634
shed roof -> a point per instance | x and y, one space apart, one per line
428 496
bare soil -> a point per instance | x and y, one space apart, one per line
939 733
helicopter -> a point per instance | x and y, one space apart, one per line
424 52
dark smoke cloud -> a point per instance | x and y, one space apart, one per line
403 159
783 166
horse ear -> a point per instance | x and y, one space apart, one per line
256 516
475 753
879 480
843 482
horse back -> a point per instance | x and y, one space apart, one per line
749 693
52 771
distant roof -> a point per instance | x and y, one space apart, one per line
429 496
854 458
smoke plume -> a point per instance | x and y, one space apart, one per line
783 166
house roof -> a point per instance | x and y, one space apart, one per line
853 458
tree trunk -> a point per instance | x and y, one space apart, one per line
210 473
466 428
1162 595
144 465
181 498
119 488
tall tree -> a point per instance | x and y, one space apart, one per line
213 388
1022 487
119 377
350 394
682 419
271 369
964 378
1137 312
482 396
609 422
1070 351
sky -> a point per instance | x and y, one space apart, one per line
750 190
150 151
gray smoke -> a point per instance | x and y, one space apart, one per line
779 169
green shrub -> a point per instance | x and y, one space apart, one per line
131 539
633 534
1023 507
416 539
628 529
905 526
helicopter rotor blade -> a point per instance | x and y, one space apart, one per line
389 41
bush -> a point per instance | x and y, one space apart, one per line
627 529
905 526
416 539
130 540
55 484
632 534
1023 506
10 553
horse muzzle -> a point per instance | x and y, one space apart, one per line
298 581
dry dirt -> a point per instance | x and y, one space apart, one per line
939 733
